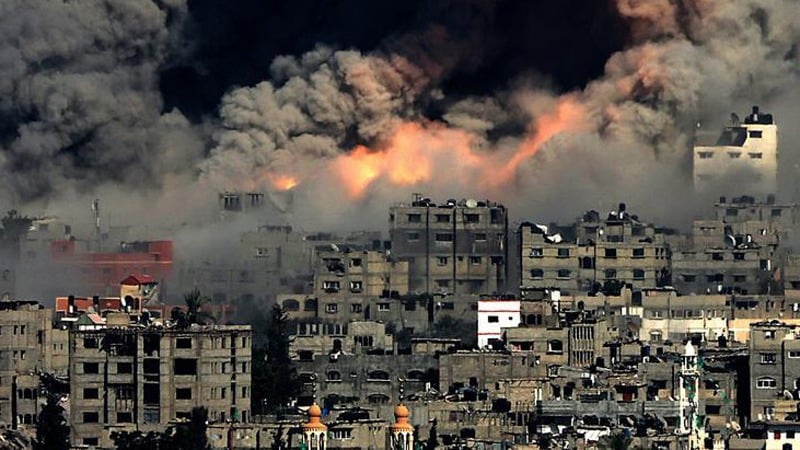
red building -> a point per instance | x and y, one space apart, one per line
101 272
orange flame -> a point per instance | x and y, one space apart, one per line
284 182
416 151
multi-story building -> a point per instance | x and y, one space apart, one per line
774 371
618 249
745 154
29 345
143 378
494 314
458 247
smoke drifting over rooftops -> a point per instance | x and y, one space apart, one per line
536 104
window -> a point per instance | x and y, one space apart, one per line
356 286
738 256
731 212
333 375
610 273
89 342
183 394
656 314
493 319
91 441
91 393
412 236
739 278
655 336
91 368
384 306
355 262
183 342
755 134
768 358
638 253
715 278
124 417
734 155
185 366
536 253
717 256
769 334
91 417
537 273
441 261
611 253
755 155
480 237
638 274
341 433
766 383
776 212
356 308
563 273
555 346
563 253
705 155
472 218
794 354
443 218
444 237
414 218
475 260
330 286
331 308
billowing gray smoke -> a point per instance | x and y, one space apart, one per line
80 105
79 99
687 61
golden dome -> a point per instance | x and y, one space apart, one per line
401 411
314 423
401 415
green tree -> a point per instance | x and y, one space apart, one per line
192 435
274 377
450 327
136 440
194 301
52 431
616 441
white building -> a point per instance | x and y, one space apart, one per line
745 156
493 316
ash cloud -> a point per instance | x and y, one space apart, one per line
79 98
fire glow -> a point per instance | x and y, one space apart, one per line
416 152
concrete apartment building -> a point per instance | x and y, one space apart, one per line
745 153
458 247
774 371
594 251
28 345
143 378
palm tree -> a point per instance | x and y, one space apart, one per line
194 302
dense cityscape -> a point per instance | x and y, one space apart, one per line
399 225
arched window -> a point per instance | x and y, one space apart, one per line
531 319
786 447
586 262
381 375
415 375
638 274
334 375
766 383
310 305
291 304
378 398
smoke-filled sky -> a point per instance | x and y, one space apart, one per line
551 107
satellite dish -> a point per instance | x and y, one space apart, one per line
471 203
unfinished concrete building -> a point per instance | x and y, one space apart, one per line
457 247
29 346
143 378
